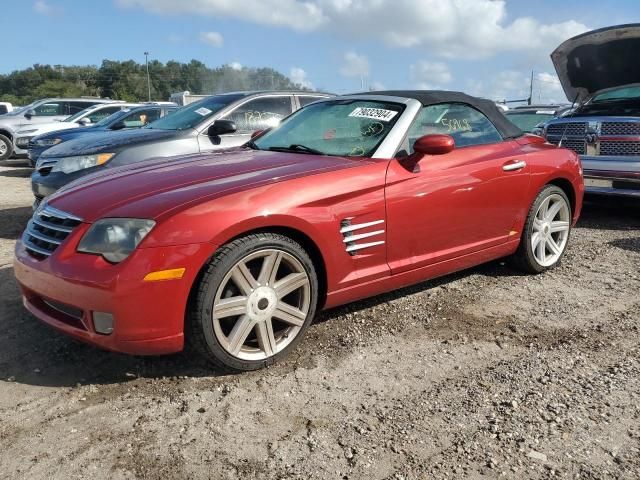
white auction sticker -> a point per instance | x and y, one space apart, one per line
374 113
203 111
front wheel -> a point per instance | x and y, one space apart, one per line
5 147
546 232
255 299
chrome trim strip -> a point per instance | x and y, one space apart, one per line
34 248
354 238
353 248
50 211
52 226
33 233
359 226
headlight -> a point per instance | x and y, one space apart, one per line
47 142
73 164
115 238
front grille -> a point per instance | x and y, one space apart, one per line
620 128
567 129
619 148
45 165
577 146
47 229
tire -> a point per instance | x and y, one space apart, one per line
6 148
246 314
546 231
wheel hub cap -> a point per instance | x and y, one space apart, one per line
262 303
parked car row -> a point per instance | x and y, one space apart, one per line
230 222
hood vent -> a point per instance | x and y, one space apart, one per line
358 236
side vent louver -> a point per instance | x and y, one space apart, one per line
358 236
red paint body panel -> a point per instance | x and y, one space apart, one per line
458 210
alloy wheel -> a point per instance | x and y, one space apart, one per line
550 230
261 304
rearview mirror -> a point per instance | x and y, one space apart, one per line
221 127
434 144
29 113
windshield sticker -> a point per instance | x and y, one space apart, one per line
372 129
374 114
455 125
203 111
545 112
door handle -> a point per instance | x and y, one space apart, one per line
510 167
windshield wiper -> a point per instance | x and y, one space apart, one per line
252 145
296 147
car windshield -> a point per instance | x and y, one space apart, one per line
17 111
528 121
194 114
623 93
80 114
336 127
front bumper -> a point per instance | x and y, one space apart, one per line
613 176
64 290
45 185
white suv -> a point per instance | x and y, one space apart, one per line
40 111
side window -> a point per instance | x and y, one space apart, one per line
465 124
306 99
75 107
50 109
140 118
98 115
260 113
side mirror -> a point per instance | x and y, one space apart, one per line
85 121
118 125
434 144
29 113
221 127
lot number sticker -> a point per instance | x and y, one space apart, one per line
374 113
203 111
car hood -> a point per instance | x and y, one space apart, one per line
156 187
108 142
41 128
598 60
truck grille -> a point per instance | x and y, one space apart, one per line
567 129
577 146
47 229
620 128
619 148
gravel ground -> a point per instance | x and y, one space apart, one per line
481 374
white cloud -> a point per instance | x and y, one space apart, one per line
42 7
454 28
213 39
430 75
300 77
355 65
515 85
236 65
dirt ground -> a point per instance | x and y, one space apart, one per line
481 374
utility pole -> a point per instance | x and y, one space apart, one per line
146 59
531 89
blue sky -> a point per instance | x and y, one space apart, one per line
483 47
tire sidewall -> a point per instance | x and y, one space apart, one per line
528 231
261 242
7 154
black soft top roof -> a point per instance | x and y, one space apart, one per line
433 97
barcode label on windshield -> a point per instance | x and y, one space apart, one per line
374 113
203 111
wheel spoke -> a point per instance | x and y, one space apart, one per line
559 226
544 208
553 211
537 224
291 282
553 246
228 307
289 314
542 250
239 333
535 240
243 278
266 338
270 268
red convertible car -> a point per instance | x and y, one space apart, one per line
235 251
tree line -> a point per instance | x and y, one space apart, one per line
127 80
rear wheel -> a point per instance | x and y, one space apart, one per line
546 233
5 147
254 302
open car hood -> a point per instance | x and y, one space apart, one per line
600 59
